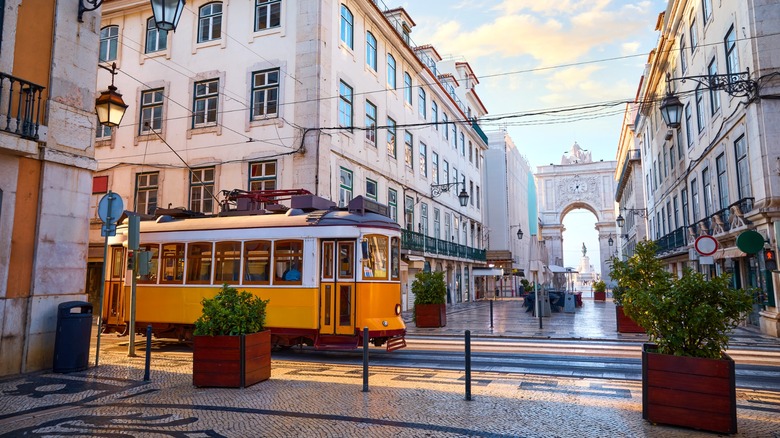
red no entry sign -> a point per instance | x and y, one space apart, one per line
706 245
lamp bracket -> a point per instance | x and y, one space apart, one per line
641 212
90 5
438 189
734 84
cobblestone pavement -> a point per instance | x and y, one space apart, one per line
326 400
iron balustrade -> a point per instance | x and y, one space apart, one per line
672 241
414 241
20 106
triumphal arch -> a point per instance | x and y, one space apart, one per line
578 182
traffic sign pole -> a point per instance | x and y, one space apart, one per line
110 207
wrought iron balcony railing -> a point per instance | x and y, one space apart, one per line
413 241
20 106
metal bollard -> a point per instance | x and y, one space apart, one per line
365 359
148 352
491 313
468 365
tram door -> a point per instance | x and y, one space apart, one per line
114 298
337 288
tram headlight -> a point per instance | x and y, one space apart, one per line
397 309
384 323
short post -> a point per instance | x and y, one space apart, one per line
148 352
491 313
468 365
365 359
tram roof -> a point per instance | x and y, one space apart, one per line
293 218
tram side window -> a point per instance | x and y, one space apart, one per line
227 262
172 263
288 261
199 263
154 261
346 260
257 262
395 257
375 257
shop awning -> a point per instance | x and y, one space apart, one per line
728 253
555 269
485 272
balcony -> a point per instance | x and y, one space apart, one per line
631 155
419 242
20 106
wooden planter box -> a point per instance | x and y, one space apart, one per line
231 361
600 296
689 392
430 315
626 324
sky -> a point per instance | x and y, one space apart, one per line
534 56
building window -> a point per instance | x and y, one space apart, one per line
688 133
407 88
671 156
454 136
371 50
683 59
408 149
205 103
408 212
345 105
666 165
347 27
435 114
392 202
695 200
370 123
102 133
202 190
471 191
109 43
445 171
146 185
676 212
434 168
478 197
680 147
743 169
445 121
436 223
391 142
705 179
371 189
694 36
268 14
447 227
156 39
723 181
455 180
265 94
422 105
462 144
345 187
712 70
706 9
471 152
262 175
151 111
210 22
424 218
684 195
423 160
391 81
700 108
732 61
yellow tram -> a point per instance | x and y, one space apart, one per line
326 272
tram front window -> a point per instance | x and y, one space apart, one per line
375 257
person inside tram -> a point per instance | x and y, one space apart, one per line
292 273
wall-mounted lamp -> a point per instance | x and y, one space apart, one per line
610 242
109 106
641 212
734 84
438 189
166 12
519 231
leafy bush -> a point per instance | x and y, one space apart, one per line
617 294
231 312
689 316
429 288
599 286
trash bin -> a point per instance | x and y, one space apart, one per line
74 329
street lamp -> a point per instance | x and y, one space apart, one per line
109 106
519 231
166 12
610 242
734 84
641 212
438 189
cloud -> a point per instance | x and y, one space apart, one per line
629 48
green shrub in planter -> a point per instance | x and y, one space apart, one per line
429 288
231 312
599 286
617 294
690 316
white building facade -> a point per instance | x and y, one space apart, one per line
716 173
332 97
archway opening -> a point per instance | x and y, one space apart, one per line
581 249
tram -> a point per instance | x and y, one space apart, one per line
327 272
